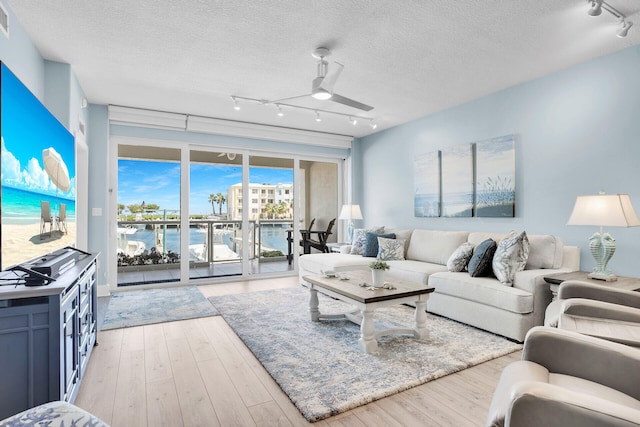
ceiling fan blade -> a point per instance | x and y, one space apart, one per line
350 102
289 99
332 76
222 154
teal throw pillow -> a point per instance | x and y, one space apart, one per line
371 245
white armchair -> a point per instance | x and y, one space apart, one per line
568 379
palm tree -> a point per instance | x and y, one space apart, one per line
220 200
212 199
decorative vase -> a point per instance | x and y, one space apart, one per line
378 278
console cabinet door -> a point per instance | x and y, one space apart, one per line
70 346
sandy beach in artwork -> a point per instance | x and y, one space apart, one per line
21 242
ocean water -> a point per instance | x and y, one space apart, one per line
23 207
273 237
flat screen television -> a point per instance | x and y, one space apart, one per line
38 193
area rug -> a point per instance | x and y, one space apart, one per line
135 308
319 365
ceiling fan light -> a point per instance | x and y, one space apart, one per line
372 124
321 94
622 32
596 8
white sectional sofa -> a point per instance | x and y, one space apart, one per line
482 302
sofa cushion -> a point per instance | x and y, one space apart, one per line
477 237
413 271
510 257
390 249
371 243
360 239
460 257
480 263
545 251
401 235
483 290
317 263
434 246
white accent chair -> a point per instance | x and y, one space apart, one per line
568 379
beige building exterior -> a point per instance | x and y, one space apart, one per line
260 195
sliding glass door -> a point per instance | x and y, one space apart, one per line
241 215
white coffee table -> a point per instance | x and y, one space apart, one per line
367 301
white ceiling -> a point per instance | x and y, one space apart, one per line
406 58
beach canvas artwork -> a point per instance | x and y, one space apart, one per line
457 181
495 172
38 165
426 200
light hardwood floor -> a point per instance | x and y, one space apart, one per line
199 373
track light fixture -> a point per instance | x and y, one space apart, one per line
352 119
622 32
236 105
596 7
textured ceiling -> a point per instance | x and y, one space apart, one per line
406 58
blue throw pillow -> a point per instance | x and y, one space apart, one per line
371 245
480 263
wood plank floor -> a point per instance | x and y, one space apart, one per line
199 373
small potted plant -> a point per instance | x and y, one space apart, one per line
378 268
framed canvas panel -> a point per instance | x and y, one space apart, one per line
426 198
457 181
495 177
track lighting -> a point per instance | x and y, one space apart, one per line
318 118
236 105
596 7
622 32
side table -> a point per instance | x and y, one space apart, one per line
554 281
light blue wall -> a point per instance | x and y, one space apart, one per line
577 132
21 56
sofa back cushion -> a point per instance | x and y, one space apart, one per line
477 237
545 251
434 246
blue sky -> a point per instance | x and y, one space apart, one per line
27 129
159 183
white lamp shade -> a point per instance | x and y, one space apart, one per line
610 210
350 212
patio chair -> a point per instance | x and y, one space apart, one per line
45 217
320 243
62 219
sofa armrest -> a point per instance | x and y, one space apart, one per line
345 249
579 289
570 353
542 404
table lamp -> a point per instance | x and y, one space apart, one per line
611 210
350 212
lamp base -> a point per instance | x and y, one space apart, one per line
607 277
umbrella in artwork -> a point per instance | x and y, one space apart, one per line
56 169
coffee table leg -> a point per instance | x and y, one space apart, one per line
313 305
420 326
367 340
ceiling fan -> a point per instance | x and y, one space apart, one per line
230 156
322 85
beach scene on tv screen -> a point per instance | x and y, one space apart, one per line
38 177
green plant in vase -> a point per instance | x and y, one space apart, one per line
378 267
